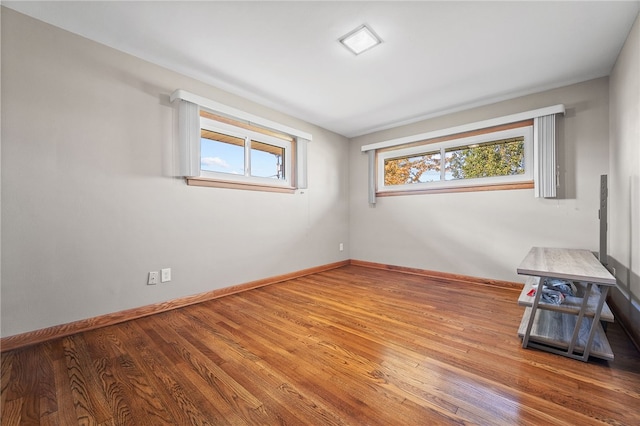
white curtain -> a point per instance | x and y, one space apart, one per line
545 171
189 128
372 177
301 163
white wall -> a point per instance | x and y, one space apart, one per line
486 234
89 204
624 181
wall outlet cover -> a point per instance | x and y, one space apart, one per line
166 275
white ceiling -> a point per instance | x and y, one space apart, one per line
437 57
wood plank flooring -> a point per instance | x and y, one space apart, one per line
351 346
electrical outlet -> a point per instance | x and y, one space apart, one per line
341 247
166 275
153 278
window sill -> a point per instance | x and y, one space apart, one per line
495 187
213 183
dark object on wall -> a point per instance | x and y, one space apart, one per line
602 215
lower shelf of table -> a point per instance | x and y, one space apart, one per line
571 304
555 329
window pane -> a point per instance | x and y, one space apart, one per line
267 160
414 169
221 153
497 158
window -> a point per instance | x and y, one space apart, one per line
493 157
515 151
496 158
232 153
221 146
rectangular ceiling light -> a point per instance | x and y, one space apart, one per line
360 40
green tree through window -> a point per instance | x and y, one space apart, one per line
497 158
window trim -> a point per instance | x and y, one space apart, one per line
228 184
428 146
476 188
464 128
217 107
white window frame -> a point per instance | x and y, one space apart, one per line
248 136
414 150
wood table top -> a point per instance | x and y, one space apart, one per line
570 264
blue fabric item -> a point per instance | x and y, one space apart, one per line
565 287
552 296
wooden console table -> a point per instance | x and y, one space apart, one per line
573 327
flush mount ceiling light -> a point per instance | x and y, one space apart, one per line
360 40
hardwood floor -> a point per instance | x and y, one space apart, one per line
353 346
